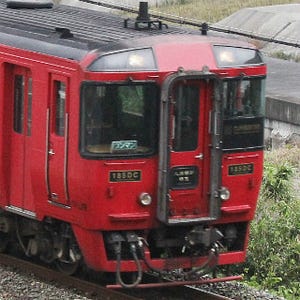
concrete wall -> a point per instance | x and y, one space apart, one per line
283 110
281 22
282 122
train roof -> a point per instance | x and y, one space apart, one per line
72 32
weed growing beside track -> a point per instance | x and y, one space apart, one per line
273 260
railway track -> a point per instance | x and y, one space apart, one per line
96 291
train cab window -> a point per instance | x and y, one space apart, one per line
118 120
60 102
186 115
244 107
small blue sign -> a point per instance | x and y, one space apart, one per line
123 146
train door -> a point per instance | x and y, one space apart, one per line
189 166
57 143
20 95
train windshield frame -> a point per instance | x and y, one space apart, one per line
243 113
118 119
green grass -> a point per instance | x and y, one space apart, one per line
211 10
274 248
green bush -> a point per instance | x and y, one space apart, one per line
274 249
277 182
273 260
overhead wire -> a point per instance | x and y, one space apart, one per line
195 23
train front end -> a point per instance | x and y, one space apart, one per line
171 151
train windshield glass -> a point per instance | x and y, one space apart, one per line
244 98
118 120
244 109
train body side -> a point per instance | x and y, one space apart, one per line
38 71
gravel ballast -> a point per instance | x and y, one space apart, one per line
15 284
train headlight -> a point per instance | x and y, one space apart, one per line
145 199
224 193
129 60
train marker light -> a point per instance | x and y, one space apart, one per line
224 193
145 199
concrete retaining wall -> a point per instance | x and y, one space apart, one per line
281 22
284 111
282 122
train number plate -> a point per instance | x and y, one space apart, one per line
240 169
123 176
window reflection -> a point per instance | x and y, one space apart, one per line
60 102
119 119
244 105
243 98
186 117
18 103
29 111
228 56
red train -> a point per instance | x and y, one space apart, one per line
126 146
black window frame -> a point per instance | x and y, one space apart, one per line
154 128
244 133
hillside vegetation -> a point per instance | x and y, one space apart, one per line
273 260
211 10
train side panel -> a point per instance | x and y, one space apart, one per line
30 127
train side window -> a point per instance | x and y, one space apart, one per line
22 104
29 110
18 103
60 103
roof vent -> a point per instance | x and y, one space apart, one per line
29 3
64 33
143 20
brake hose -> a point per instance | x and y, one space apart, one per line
148 264
137 262
213 253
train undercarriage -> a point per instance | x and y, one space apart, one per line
158 250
